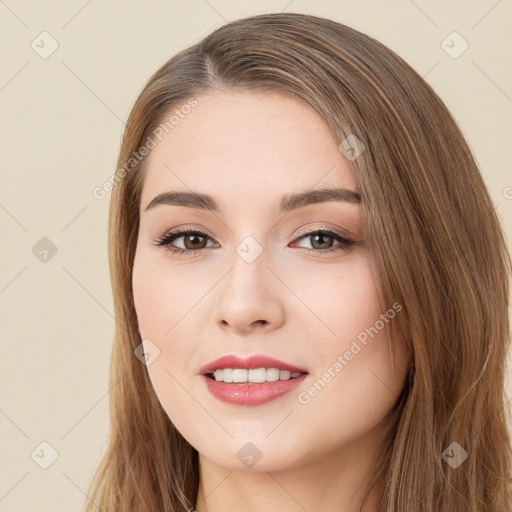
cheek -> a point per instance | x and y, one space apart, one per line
161 295
339 303
355 383
164 300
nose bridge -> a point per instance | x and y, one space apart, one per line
250 250
247 295
248 267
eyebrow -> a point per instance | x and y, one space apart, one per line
288 203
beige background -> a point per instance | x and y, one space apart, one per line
62 119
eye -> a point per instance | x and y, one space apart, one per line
194 241
191 239
321 240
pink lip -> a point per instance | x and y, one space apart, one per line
250 363
250 393
246 393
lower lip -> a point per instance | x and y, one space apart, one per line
245 393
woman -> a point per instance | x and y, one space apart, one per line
311 286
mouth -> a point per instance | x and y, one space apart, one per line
252 380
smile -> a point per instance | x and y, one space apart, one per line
258 375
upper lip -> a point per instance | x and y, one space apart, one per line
249 363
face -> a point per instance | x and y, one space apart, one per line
252 279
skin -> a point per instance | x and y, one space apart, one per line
247 149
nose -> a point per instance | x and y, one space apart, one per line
250 297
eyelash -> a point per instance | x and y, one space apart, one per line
165 240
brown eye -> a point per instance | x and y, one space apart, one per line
192 241
322 241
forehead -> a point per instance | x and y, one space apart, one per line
236 144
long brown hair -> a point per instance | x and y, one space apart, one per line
433 240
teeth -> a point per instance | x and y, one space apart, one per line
239 375
254 375
257 375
